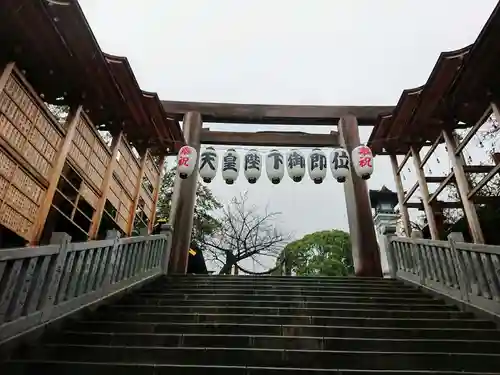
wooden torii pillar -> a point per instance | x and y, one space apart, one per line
365 251
183 200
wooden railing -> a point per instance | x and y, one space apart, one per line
469 273
42 284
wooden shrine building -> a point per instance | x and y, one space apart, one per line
461 93
61 174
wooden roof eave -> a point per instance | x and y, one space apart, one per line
433 95
474 89
376 139
105 97
122 71
405 108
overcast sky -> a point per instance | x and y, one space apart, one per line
329 52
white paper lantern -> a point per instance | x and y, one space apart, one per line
362 160
186 161
317 165
296 165
230 166
275 166
252 166
208 164
339 164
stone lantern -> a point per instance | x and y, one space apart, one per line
384 201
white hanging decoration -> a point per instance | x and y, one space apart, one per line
339 164
186 161
296 165
230 166
208 164
275 166
362 160
252 166
317 165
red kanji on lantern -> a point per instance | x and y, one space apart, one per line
365 151
184 161
185 151
365 161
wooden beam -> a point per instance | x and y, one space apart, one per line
463 188
403 209
435 179
410 193
137 193
403 162
55 174
431 150
478 168
272 139
484 181
442 186
424 190
106 182
473 130
440 204
274 114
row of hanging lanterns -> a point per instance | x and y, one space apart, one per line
362 161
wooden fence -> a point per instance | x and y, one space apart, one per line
469 273
42 284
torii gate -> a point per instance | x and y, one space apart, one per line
365 251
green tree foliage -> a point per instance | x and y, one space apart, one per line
204 222
324 253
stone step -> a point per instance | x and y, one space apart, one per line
287 330
409 322
381 298
426 305
356 360
377 292
80 368
281 284
138 300
295 311
287 279
276 342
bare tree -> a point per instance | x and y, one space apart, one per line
245 233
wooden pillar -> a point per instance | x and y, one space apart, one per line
137 193
457 162
4 77
156 194
181 215
106 181
405 217
365 251
424 190
55 173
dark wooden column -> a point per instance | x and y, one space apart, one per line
183 199
365 252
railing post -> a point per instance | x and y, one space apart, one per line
110 262
55 273
415 235
166 229
389 231
460 267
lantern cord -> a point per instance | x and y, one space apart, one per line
278 266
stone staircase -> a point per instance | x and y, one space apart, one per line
267 326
